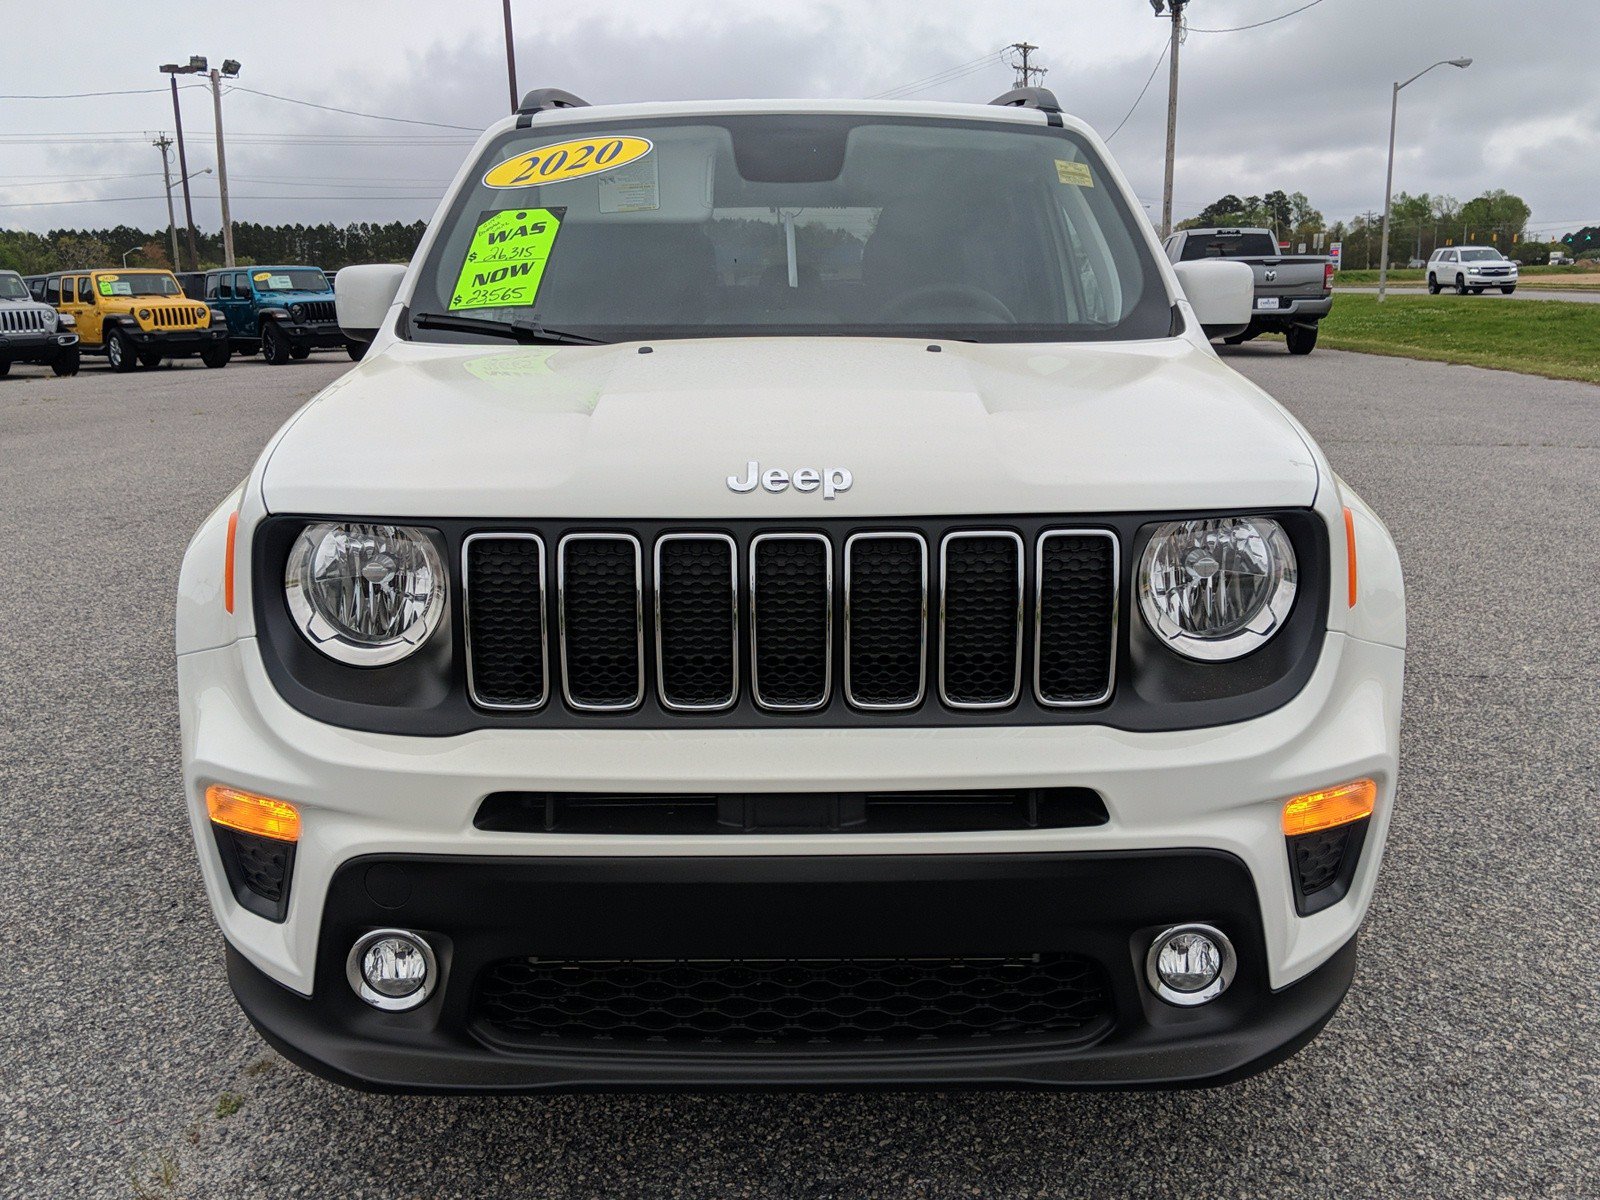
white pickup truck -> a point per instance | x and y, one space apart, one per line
1293 292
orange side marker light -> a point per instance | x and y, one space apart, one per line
249 813
1350 551
1314 811
233 532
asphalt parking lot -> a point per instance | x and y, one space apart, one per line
1464 1062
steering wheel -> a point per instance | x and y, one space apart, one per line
907 304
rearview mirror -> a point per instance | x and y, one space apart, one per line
363 296
1221 293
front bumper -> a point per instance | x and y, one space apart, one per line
177 343
317 335
35 347
1103 907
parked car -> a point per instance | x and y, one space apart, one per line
193 283
1470 269
1292 292
135 318
33 332
1416 264
790 597
284 312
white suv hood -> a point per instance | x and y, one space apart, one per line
617 432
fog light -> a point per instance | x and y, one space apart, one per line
392 969
1190 964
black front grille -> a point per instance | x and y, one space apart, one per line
886 619
1076 616
702 813
602 657
707 621
505 621
317 310
982 604
791 598
697 621
532 1002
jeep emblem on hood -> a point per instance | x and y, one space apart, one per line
832 480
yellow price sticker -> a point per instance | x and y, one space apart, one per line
262 276
1075 173
567 160
506 259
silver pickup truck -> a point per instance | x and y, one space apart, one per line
1293 291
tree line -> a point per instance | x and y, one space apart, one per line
327 246
1418 225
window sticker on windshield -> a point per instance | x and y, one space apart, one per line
635 188
506 258
1075 173
110 285
567 160
274 283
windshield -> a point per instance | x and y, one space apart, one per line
1229 245
137 283
1480 256
290 279
12 287
795 225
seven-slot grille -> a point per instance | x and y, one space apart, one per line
28 320
168 315
906 615
316 310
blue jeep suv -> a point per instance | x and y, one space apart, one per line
285 312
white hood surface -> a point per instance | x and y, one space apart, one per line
616 432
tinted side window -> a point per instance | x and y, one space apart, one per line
52 291
241 286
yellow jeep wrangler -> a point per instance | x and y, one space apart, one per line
137 318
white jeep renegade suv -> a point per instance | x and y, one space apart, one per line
790 598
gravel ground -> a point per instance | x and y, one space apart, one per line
1462 1064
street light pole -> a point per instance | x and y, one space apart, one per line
1388 180
172 70
230 70
511 56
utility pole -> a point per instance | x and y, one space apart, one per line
511 56
162 144
1176 9
230 70
1025 72
197 66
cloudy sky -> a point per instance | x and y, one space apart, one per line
1300 104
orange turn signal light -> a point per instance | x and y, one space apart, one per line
249 813
227 565
1333 806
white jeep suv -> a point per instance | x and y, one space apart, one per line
790 598
1470 269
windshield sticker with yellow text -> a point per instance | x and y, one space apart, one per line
1075 173
506 259
567 160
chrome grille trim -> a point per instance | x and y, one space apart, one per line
733 585
544 624
1038 614
944 554
638 608
755 653
922 654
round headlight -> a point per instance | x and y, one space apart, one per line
297 311
365 594
144 314
1218 588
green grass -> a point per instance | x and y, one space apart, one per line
1552 338
1553 277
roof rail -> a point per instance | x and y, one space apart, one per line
1032 97
540 99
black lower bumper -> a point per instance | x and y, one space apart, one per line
175 343
319 336
35 347
479 911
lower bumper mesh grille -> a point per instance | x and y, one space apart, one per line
533 1002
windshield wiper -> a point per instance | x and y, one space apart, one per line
529 333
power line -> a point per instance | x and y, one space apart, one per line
1148 81
1025 72
91 95
350 112
1258 24
938 77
